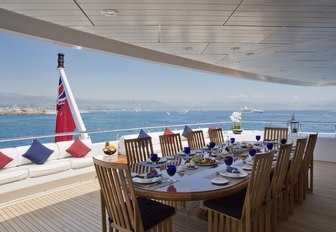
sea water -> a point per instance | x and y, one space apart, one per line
14 126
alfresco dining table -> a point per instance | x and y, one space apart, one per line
193 184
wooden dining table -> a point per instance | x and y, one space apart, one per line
191 185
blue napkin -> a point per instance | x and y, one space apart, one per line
148 175
232 170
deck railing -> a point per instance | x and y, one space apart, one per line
115 134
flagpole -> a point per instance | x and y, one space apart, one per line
72 103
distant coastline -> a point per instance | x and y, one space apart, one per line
25 112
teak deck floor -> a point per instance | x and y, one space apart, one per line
77 208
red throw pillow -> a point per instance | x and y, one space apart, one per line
78 149
4 160
167 131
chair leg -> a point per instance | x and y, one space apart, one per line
305 185
285 204
103 213
301 187
291 200
274 214
210 216
310 182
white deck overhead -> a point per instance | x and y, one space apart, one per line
288 41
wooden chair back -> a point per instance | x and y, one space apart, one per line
170 144
280 169
118 196
259 183
216 135
275 133
294 169
307 165
196 140
309 152
138 150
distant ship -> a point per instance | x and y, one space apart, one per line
250 110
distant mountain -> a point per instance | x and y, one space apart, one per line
20 100
42 102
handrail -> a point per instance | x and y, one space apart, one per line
148 128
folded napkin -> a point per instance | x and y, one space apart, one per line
232 170
148 175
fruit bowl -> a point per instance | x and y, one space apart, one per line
109 152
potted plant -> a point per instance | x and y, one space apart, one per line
236 127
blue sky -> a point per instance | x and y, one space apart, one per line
28 66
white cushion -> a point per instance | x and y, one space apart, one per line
48 168
81 162
12 175
22 149
12 153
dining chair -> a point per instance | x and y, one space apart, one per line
126 211
216 135
138 149
170 144
275 133
307 167
244 210
291 184
196 139
278 180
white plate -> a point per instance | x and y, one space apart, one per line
170 157
250 162
220 180
247 167
234 175
191 167
207 164
161 160
139 180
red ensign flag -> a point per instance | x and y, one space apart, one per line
64 119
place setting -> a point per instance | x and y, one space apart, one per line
155 160
249 161
232 172
155 180
147 178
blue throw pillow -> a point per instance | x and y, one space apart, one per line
37 153
186 131
143 134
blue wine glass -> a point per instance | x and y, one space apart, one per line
283 141
258 137
232 140
252 152
228 160
212 145
171 170
269 146
154 158
186 150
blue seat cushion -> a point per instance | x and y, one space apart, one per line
143 134
153 212
231 205
186 130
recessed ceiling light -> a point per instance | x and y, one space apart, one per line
110 12
250 53
188 48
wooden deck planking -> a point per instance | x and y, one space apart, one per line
77 208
